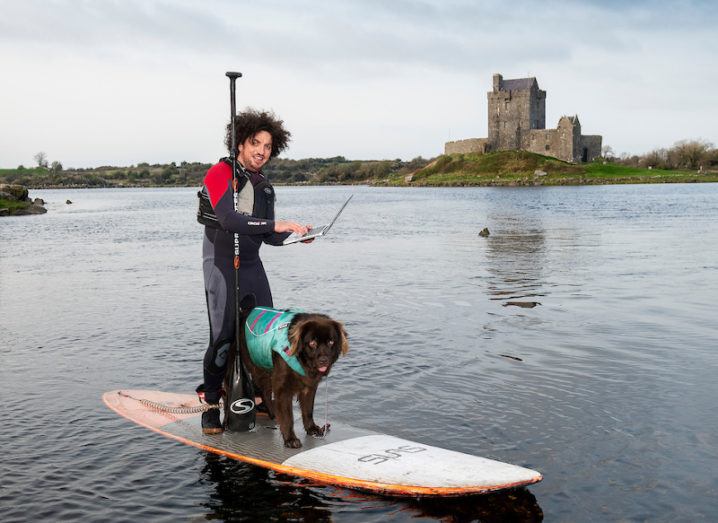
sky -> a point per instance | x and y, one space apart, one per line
103 82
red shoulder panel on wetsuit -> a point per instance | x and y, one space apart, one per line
218 181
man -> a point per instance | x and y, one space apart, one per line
260 137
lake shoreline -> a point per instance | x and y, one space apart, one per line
711 178
497 169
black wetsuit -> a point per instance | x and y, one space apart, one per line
218 263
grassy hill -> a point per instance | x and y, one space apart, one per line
523 168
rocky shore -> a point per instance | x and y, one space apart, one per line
14 201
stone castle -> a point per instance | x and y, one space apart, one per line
517 120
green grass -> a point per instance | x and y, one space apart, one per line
27 170
611 173
13 205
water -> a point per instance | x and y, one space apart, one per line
607 387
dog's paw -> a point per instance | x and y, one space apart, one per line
292 443
318 431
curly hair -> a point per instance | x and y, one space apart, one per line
250 122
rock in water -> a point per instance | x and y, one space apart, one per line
524 304
68 202
484 232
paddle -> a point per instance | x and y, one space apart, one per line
240 410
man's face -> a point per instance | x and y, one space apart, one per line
255 151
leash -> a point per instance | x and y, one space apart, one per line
326 408
161 407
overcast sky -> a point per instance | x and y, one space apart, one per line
120 82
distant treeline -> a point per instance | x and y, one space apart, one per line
189 174
686 154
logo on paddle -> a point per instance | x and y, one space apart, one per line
242 406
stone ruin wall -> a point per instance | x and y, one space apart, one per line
472 145
513 113
542 141
569 140
593 143
510 113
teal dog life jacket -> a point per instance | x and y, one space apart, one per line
266 331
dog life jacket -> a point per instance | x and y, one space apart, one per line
267 330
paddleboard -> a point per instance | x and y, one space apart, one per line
347 456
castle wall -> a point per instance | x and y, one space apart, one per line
471 145
538 116
569 139
510 116
513 112
542 141
592 143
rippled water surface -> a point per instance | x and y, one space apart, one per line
608 387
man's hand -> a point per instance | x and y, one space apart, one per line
310 240
287 226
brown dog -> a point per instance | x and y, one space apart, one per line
314 341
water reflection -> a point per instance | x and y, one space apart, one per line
512 505
239 489
515 258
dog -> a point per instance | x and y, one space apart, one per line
287 354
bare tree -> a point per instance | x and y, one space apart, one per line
656 158
690 154
56 166
41 159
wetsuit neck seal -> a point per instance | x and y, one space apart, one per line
205 212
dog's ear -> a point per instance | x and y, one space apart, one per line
342 335
295 336
249 302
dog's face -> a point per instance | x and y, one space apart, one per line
317 340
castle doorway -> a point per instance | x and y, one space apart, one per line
584 155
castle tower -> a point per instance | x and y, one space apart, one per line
569 139
515 107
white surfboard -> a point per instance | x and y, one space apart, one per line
347 456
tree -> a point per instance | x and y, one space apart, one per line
607 152
56 166
41 159
655 159
712 158
690 154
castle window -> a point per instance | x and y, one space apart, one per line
547 147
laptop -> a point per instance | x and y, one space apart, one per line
316 232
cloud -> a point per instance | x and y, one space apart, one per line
367 79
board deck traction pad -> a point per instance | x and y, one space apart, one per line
347 456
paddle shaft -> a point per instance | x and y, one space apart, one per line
235 187
240 414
